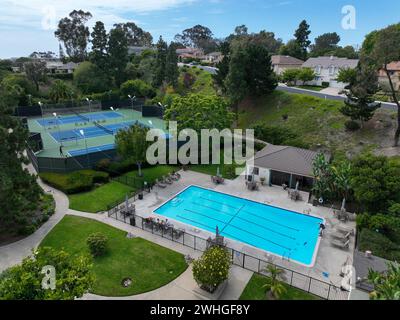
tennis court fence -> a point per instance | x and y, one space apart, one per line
319 288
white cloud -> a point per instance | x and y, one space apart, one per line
29 13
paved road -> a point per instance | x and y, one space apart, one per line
385 105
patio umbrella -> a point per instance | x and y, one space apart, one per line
343 205
297 186
127 202
217 232
218 172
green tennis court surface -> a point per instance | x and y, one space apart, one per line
66 131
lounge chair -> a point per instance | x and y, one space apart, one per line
160 184
174 177
167 180
341 236
340 244
345 229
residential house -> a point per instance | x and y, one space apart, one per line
327 70
394 71
282 63
57 66
279 165
192 53
213 57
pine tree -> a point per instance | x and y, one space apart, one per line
19 192
160 66
301 35
99 55
118 53
171 68
223 66
360 104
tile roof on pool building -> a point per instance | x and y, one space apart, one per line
287 159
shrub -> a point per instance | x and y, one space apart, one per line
230 171
76 182
137 88
212 269
325 84
97 243
352 125
278 136
103 164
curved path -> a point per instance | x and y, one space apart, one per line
179 289
14 253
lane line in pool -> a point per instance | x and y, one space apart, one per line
277 244
260 226
193 221
221 203
233 217
208 207
204 215
266 219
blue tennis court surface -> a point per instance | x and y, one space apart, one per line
82 152
76 119
92 132
281 232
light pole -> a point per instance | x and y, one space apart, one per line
132 100
87 151
41 108
90 104
58 126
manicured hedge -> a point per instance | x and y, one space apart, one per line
75 182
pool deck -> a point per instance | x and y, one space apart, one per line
329 260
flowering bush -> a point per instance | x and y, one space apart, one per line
212 268
97 244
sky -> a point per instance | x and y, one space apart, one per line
28 25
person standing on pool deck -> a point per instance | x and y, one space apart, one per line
61 151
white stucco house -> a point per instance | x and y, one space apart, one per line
327 70
279 165
282 63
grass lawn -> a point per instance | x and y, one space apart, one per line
255 291
153 173
98 199
150 266
318 122
312 88
211 170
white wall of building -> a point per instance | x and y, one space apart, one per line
262 173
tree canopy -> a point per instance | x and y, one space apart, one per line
19 192
197 112
74 34
24 282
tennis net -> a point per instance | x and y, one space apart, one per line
82 116
108 131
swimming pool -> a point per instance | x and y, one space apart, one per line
278 231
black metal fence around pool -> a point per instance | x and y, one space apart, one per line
295 279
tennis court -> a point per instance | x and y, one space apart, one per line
98 133
78 118
93 132
81 152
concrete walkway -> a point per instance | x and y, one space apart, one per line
14 253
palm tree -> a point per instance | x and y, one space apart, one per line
275 288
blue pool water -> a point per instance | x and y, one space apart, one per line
75 119
281 232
